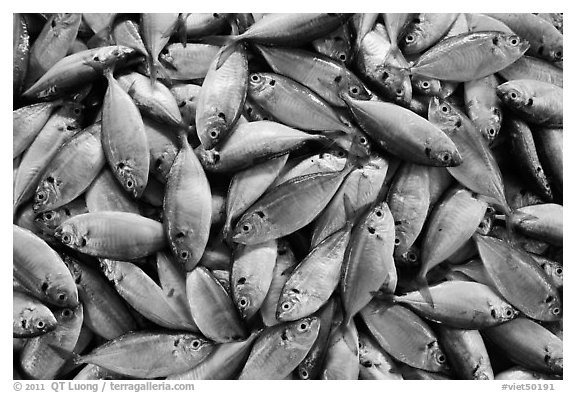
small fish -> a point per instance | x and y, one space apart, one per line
528 67
342 354
537 102
30 318
483 106
375 363
544 222
336 45
425 30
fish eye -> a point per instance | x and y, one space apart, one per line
340 153
378 213
40 324
66 238
286 306
354 90
397 241
559 271
555 311
425 85
304 374
342 56
441 358
40 196
129 184
362 141
399 92
184 254
243 302
195 344
48 216
62 297
446 157
409 39
255 78
214 134
514 40
558 54
303 326
66 313
411 256
444 108
508 312
491 132
513 95
246 227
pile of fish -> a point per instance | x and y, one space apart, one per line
287 196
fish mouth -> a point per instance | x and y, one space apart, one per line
524 46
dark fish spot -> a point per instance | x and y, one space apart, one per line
295 290
222 116
493 313
427 151
44 287
121 165
23 323
50 179
260 214
439 229
67 212
170 293
397 222
338 79
179 235
272 82
385 75
458 123
541 50
342 56
368 364
53 23
158 163
83 242
538 169
530 102
181 104
338 39
371 230
70 127
495 40
241 280
549 299
284 337
216 15
249 110
547 358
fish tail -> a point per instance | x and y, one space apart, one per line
181 28
384 296
226 51
512 220
424 288
67 355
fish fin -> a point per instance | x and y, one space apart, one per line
424 288
349 209
234 27
67 355
226 51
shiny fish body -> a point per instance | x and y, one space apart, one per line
470 56
312 282
528 344
342 354
545 41
190 62
329 161
187 208
375 363
383 66
251 276
280 348
127 33
124 139
483 22
311 366
536 102
38 359
253 142
76 69
325 76
71 171
294 104
150 355
20 52
544 222
550 148
285 262
154 101
528 67
156 30
425 30
224 362
526 158
115 235
288 207
369 262
452 222
106 194
248 185
222 98
198 25
59 129
52 44
362 187
27 122
483 106
212 308
461 304
409 201
163 146
145 296
522 374
466 352
30 318
404 336
479 170
40 270
405 134
49 220
104 310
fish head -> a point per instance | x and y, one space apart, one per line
489 125
288 304
49 220
217 127
554 307
251 226
552 50
261 84
110 55
426 86
68 314
354 86
436 357
130 182
74 268
73 112
41 322
57 289
411 257
444 115
70 235
503 312
411 41
394 84
303 331
46 194
361 145
447 156
192 344
511 44
513 95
